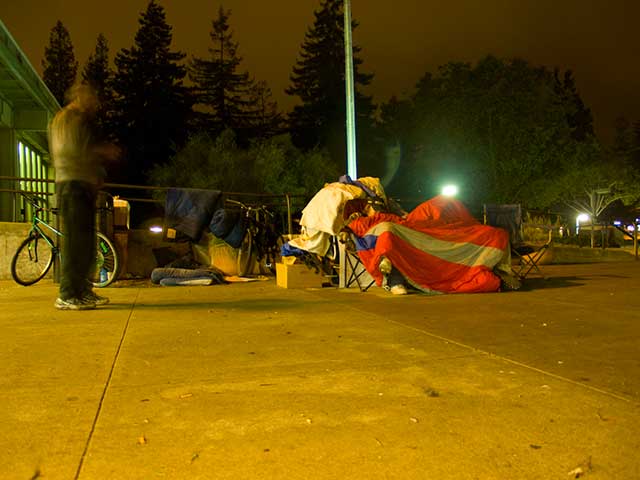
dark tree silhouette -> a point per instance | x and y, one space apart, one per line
59 65
318 79
151 105
221 92
579 116
503 130
99 75
97 72
266 120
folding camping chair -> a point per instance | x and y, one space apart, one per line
509 218
352 270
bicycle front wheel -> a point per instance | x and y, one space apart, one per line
107 262
32 260
245 254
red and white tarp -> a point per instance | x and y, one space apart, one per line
439 247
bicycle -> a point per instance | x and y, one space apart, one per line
36 253
260 240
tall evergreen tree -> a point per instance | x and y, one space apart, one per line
59 65
97 72
318 79
151 104
221 92
99 75
266 121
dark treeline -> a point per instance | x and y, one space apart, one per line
504 130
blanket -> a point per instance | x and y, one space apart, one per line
189 210
439 247
322 216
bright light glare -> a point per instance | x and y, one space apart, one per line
583 217
155 229
630 228
450 190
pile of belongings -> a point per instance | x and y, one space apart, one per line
322 217
185 271
439 247
192 211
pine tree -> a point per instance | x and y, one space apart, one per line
151 105
59 66
266 121
98 74
318 79
221 91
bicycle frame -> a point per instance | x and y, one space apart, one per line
35 227
106 256
256 242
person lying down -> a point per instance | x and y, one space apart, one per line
436 248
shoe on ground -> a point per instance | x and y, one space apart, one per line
398 290
92 296
74 304
508 281
385 266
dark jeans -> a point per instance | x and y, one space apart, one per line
77 204
395 278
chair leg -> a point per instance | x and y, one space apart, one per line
354 262
530 262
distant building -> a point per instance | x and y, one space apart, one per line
26 106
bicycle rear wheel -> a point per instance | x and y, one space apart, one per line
107 262
32 260
245 254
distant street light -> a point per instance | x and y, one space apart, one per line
450 190
581 218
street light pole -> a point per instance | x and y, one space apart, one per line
352 169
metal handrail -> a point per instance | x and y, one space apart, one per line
286 198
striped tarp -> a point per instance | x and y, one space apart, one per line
439 247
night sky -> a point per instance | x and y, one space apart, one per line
400 39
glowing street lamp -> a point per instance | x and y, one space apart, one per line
581 218
450 190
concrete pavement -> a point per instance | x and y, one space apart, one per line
251 381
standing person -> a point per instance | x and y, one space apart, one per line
77 158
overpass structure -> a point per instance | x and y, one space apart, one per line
26 106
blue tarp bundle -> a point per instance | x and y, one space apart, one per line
229 225
189 210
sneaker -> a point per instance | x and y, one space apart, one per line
398 290
508 281
92 296
74 304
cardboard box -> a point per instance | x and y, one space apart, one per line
121 239
121 209
297 276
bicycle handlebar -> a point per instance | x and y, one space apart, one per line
251 208
42 203
36 202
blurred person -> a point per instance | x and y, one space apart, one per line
77 156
